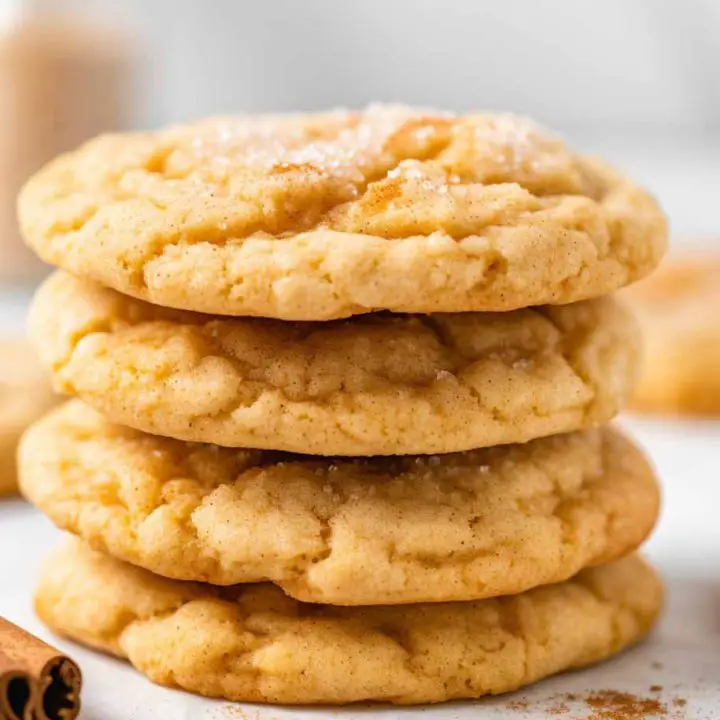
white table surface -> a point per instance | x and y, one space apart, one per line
682 656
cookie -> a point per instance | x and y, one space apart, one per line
344 531
379 384
25 394
318 217
678 307
251 642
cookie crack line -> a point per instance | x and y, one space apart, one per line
396 210
143 277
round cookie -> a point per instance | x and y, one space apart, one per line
317 217
471 525
251 642
380 384
678 308
25 394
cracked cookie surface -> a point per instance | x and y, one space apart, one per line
463 526
380 384
25 394
251 642
677 307
326 216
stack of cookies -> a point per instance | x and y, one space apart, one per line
341 384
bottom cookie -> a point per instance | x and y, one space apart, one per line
253 643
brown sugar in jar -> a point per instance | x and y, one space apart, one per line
60 84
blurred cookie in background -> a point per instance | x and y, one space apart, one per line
25 394
679 311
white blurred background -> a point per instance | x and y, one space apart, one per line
622 64
638 80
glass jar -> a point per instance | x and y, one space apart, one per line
62 81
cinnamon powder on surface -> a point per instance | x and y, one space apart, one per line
614 705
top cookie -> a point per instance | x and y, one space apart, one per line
315 217
678 307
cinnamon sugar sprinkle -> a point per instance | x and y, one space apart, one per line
614 705
609 705
518 705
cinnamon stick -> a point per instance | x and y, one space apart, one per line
37 682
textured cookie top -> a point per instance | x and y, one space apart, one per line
314 217
678 307
379 384
344 531
254 643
